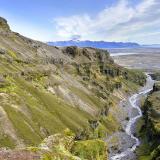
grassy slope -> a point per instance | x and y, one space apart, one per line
83 82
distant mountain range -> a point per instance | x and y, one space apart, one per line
152 46
95 44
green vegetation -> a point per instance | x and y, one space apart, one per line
63 146
6 141
12 54
44 90
150 127
36 113
90 149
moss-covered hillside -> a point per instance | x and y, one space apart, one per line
44 90
150 131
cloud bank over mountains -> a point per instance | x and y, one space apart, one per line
118 22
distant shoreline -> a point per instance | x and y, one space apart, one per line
123 54
133 51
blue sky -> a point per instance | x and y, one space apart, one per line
109 20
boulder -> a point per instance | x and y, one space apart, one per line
2 51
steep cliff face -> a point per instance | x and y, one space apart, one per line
150 131
156 76
44 90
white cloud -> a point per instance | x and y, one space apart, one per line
119 22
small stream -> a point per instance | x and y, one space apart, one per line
133 101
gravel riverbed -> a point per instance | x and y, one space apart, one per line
122 144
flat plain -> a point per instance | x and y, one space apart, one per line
148 59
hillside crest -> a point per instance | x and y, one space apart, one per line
4 25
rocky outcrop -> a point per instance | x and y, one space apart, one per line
156 87
60 146
151 127
4 25
156 76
